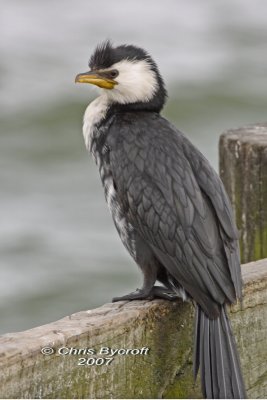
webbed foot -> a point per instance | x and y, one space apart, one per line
139 294
156 292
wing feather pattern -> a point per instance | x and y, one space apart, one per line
178 205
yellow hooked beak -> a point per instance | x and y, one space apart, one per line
96 78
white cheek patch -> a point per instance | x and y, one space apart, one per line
136 82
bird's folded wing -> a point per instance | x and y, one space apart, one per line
164 202
211 184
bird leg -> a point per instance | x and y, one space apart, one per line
148 290
149 278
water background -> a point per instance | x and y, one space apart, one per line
59 251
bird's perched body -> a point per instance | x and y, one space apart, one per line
169 206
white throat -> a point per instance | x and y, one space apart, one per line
94 113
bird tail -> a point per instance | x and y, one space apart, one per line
216 356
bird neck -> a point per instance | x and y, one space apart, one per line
103 107
95 114
138 106
154 104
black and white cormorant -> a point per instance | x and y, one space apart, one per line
168 204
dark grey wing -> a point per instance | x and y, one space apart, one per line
164 202
211 184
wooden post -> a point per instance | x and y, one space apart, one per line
151 343
243 169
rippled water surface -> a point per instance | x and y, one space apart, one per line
59 250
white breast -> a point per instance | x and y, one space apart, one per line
124 228
94 113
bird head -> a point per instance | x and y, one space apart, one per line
128 76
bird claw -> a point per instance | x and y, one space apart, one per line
164 293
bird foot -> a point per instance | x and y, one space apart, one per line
139 294
164 293
155 292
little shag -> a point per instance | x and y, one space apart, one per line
168 205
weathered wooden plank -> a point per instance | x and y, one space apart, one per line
163 327
243 169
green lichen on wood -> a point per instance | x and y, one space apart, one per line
243 169
179 344
183 385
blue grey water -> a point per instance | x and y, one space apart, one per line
59 250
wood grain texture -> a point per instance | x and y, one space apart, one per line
164 327
243 169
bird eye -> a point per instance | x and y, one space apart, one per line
114 73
